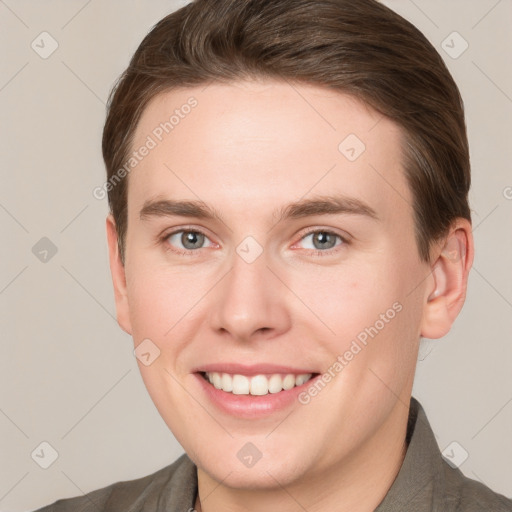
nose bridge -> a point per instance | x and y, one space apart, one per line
249 300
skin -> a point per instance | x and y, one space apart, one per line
247 149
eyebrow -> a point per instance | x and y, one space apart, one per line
320 205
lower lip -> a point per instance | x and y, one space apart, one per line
252 406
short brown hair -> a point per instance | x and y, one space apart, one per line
360 48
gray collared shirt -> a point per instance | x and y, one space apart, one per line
425 483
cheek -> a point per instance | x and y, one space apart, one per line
385 318
166 307
158 297
366 309
342 299
149 301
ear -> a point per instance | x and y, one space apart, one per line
447 284
118 277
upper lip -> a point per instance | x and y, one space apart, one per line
250 369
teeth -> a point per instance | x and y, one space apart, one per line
241 385
289 382
259 385
227 382
300 379
275 384
217 380
256 385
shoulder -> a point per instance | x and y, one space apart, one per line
428 482
178 477
467 495
92 501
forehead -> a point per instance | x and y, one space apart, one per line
251 143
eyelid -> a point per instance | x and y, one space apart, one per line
345 239
191 229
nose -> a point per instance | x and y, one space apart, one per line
250 302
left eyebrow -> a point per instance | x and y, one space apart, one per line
326 205
320 205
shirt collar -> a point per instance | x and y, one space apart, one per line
416 487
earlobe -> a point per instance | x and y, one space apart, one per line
117 270
447 289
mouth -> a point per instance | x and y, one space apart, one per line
256 385
253 391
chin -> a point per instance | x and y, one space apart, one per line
263 478
266 474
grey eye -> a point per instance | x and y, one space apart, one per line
322 240
188 240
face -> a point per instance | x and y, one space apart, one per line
270 249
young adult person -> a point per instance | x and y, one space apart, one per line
288 183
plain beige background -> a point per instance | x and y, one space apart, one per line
68 374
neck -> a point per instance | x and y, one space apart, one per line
356 484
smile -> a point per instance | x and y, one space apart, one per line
259 385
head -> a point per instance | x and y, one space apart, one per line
302 196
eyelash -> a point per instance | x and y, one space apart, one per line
181 252
191 252
326 252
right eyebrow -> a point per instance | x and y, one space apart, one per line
168 208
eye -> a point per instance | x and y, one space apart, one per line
322 240
188 240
